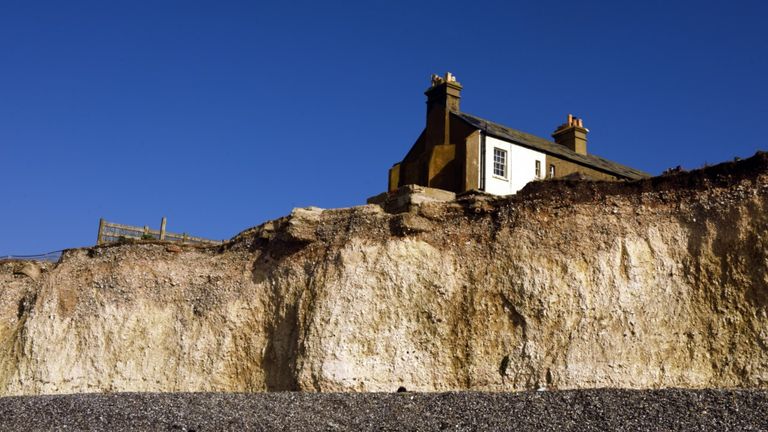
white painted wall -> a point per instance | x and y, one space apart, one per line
521 167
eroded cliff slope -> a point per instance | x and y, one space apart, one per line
570 284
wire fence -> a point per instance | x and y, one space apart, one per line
110 232
49 256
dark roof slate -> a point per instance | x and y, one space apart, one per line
537 143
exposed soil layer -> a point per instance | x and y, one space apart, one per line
577 410
720 175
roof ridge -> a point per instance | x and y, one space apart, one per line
530 140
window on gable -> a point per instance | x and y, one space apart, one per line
538 169
500 162
551 171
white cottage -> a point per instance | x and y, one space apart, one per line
458 152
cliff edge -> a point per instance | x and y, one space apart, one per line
654 283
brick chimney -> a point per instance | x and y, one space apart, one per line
442 99
572 134
444 92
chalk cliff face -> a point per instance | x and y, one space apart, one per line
569 284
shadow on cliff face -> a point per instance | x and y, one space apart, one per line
727 266
282 328
744 257
280 353
733 256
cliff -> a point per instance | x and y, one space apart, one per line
569 284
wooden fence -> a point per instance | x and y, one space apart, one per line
112 232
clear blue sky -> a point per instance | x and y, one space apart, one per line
221 115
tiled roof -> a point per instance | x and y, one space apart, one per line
546 146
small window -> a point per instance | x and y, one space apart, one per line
551 171
538 169
500 162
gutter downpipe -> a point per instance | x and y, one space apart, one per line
482 161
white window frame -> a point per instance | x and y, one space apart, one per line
537 169
503 163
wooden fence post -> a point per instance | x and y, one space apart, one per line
100 237
162 228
